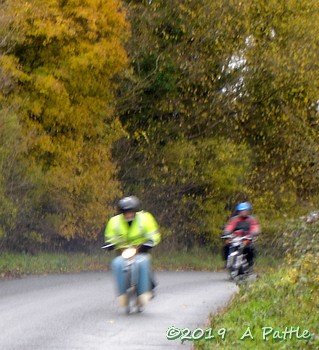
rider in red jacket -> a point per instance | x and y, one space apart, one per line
246 225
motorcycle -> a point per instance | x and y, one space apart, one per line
130 271
237 264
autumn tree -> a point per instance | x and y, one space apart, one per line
181 157
15 178
277 100
8 129
63 61
236 75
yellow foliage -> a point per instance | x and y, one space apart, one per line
64 60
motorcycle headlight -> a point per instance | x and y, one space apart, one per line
128 253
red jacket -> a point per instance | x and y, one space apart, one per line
248 224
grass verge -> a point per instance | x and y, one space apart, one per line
198 259
259 315
18 265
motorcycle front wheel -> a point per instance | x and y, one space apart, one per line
131 292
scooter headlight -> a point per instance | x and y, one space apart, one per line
128 253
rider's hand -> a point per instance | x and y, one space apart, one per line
247 240
149 243
146 246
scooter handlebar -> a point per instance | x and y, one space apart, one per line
108 246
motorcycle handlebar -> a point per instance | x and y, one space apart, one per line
232 236
110 246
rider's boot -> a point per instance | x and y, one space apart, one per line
123 300
144 298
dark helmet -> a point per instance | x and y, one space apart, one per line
243 206
130 203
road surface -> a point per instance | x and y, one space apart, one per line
79 311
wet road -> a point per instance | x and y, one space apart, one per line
79 311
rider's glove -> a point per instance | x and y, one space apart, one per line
248 240
146 246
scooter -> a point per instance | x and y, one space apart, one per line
237 264
130 270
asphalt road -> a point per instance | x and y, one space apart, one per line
79 311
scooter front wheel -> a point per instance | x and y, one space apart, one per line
132 302
233 273
131 292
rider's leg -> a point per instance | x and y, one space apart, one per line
226 252
117 269
249 251
144 281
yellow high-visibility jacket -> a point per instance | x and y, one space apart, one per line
143 228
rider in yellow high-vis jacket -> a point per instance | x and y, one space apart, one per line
141 229
133 227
